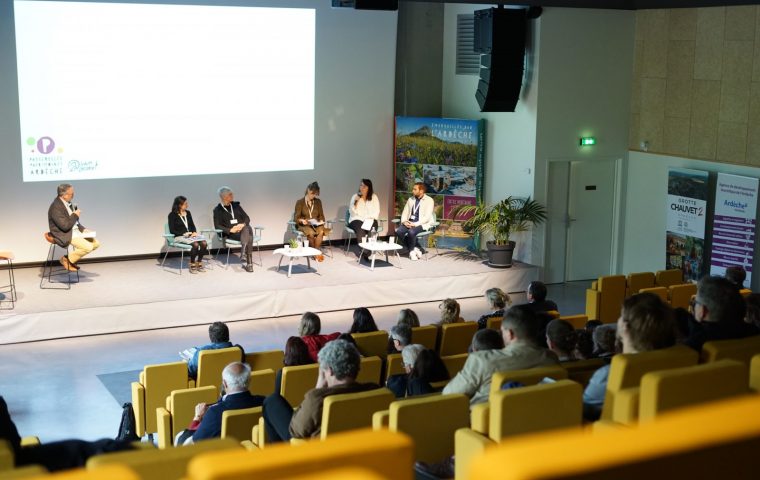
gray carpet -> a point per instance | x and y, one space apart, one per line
119 384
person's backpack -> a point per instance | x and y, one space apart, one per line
128 425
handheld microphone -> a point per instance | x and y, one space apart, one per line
74 207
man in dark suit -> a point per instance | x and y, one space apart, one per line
208 418
63 219
231 219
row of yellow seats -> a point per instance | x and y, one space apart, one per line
715 440
606 295
156 382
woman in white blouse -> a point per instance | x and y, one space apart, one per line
364 209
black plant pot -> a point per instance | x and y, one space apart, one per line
500 255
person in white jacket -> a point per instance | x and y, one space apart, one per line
363 209
416 217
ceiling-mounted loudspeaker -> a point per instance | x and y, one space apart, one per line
366 4
500 36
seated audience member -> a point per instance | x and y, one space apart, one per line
537 298
718 313
408 317
400 337
584 345
428 368
605 341
591 325
208 418
486 339
339 363
309 329
683 319
53 456
736 275
398 383
497 301
753 311
646 323
518 330
348 338
561 339
296 353
219 335
449 314
363 322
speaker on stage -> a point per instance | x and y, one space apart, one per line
500 38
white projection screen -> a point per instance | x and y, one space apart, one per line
349 56
118 90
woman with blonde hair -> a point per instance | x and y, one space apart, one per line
497 301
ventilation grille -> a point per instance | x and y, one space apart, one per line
468 62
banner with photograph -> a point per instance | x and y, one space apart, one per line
733 234
447 155
687 209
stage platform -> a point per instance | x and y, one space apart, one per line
137 295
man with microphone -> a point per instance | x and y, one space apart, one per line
63 218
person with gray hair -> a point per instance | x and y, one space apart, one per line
401 336
231 219
497 300
65 228
207 423
398 383
339 363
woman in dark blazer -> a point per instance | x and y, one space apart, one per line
182 227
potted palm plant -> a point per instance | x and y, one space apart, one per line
500 221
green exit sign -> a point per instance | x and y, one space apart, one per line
586 141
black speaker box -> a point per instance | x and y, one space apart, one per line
500 35
376 5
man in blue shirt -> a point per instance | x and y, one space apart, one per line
219 335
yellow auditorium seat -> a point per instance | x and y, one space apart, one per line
742 349
238 424
262 382
456 337
666 278
370 370
394 365
154 464
519 411
637 281
6 456
430 421
179 411
372 344
386 454
680 295
679 387
603 303
425 335
494 323
744 292
454 363
626 370
110 472
27 472
156 383
754 374
528 376
554 314
577 321
269 359
353 411
355 473
710 441
296 381
661 292
480 413
581 371
212 362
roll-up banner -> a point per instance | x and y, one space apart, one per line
687 209
733 234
